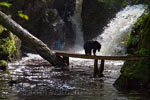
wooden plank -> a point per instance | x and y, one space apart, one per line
77 55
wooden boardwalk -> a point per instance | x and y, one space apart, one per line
97 71
77 55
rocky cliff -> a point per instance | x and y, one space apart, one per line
136 74
45 18
97 13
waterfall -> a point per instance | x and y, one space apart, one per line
77 23
117 30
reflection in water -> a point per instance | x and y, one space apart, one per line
5 90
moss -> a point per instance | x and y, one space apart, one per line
137 73
17 54
7 45
3 65
137 44
135 70
134 75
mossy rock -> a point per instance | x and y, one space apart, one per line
136 74
17 55
7 45
3 65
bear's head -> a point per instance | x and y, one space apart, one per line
97 45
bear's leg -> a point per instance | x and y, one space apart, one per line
94 51
90 53
86 53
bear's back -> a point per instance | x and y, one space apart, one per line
88 44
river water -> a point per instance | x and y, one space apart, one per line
36 79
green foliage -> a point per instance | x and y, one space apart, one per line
3 65
7 45
124 3
22 15
5 4
125 41
142 18
1 28
135 70
134 40
142 51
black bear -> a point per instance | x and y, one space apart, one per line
91 45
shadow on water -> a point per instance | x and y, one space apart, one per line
37 80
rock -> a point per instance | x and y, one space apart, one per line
12 82
135 74
7 45
3 65
17 55
95 15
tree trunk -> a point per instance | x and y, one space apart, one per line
31 41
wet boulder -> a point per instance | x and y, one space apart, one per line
3 65
7 45
135 74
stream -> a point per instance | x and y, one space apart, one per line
36 79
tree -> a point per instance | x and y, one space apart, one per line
31 41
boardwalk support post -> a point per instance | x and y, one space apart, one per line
66 60
95 68
101 69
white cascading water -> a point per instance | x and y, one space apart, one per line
77 24
117 30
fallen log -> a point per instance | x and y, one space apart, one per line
31 41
